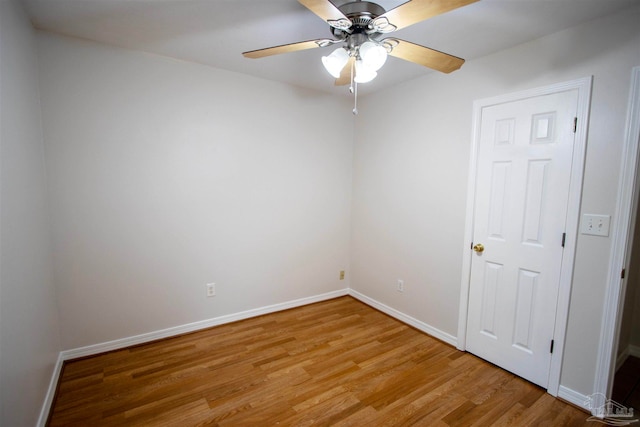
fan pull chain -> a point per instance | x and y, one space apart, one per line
355 100
351 85
354 90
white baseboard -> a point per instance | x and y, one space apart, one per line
51 391
166 333
575 398
216 321
195 326
424 327
631 350
634 351
622 357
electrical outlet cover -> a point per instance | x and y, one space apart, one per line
211 289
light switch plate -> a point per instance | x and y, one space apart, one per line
595 225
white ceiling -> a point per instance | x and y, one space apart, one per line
216 32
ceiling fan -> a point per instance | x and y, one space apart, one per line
361 26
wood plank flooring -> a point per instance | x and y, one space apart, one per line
626 384
338 363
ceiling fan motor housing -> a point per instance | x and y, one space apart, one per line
361 14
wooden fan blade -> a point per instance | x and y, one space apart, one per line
328 12
415 11
425 56
345 74
285 48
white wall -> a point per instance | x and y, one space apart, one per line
630 327
166 175
29 334
630 322
634 333
626 324
410 176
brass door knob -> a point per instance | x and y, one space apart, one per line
478 248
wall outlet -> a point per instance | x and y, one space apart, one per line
211 289
595 225
341 274
400 286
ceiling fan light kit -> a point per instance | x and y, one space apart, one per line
363 74
373 55
360 26
370 58
335 62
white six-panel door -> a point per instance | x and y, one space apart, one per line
522 189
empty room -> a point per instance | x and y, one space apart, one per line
314 212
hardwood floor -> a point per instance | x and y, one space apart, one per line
337 362
626 384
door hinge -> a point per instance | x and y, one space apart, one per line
551 348
575 124
564 237
622 274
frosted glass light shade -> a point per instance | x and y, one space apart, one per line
335 62
364 74
373 55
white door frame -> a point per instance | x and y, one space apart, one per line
573 213
621 241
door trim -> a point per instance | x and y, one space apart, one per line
573 213
621 242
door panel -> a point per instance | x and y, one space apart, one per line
522 188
